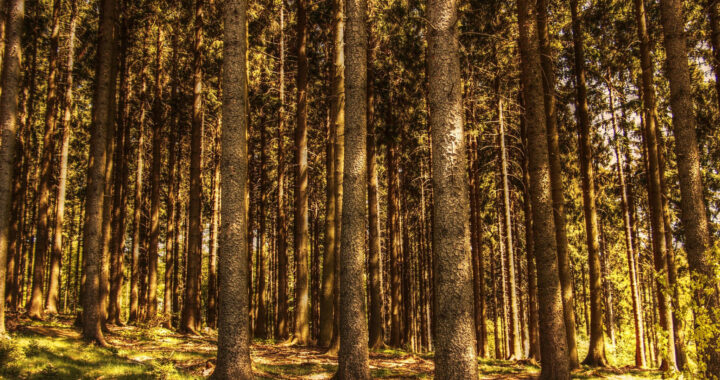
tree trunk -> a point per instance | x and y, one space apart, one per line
654 184
302 291
93 234
694 214
214 237
8 125
455 355
534 336
283 326
261 317
393 244
53 289
329 257
190 319
233 361
353 362
553 342
596 351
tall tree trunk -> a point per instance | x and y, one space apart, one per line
553 342
35 307
261 317
155 178
233 361
283 326
93 236
302 291
596 351
629 244
214 226
393 244
8 125
694 213
375 285
713 9
137 211
328 276
455 355
651 136
558 190
190 319
353 362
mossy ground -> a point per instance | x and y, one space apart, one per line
53 349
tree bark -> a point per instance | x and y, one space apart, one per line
191 319
157 140
553 342
233 361
455 355
283 326
353 361
215 196
394 240
596 351
93 236
302 291
694 214
8 125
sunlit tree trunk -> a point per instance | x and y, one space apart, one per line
283 325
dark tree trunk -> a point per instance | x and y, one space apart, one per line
283 326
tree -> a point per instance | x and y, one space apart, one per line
233 361
8 126
454 327
282 329
302 291
93 236
596 352
353 362
694 213
553 342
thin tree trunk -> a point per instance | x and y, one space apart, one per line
534 336
596 351
191 319
553 343
694 214
393 244
283 326
214 237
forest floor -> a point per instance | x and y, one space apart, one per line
53 349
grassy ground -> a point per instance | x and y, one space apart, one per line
53 350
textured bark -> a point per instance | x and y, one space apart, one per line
353 362
375 260
694 214
558 189
329 255
212 293
394 241
533 334
302 291
8 127
137 212
93 236
283 326
233 361
651 137
455 356
629 245
190 319
157 140
53 287
596 351
553 342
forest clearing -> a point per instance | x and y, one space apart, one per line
357 189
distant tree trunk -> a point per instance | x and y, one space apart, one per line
302 291
8 125
393 243
534 336
214 226
694 213
93 235
654 184
283 326
53 289
190 319
35 307
558 188
353 362
455 355
233 360
629 244
713 9
375 285
477 255
155 178
329 257
261 317
553 342
137 211
596 352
